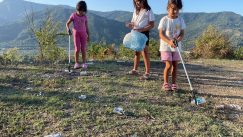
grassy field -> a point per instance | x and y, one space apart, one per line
37 100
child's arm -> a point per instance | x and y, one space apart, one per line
146 28
87 30
68 24
181 36
167 40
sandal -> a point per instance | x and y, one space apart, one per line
133 72
166 87
145 76
77 66
173 87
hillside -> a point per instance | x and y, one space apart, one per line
38 100
10 13
107 26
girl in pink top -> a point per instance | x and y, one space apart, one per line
80 32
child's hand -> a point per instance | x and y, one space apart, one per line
171 43
87 38
130 25
69 31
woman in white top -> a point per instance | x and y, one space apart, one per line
142 21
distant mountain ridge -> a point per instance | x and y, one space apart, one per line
105 26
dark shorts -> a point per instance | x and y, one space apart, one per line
146 33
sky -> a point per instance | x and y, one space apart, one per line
158 6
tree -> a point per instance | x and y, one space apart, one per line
45 33
212 44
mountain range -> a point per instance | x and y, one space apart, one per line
106 27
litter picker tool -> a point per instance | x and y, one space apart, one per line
195 98
69 52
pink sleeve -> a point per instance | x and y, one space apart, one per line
71 17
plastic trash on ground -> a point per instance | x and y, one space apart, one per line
229 106
90 63
135 41
66 70
82 97
118 110
240 82
83 73
54 135
199 100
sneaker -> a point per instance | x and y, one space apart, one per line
77 66
84 66
133 72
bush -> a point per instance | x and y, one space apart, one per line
12 56
125 53
238 53
154 49
102 51
212 44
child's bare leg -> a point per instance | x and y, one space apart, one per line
174 71
83 56
146 58
168 65
76 56
136 60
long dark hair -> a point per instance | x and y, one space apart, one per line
144 2
178 3
81 6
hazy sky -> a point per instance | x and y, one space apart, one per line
158 6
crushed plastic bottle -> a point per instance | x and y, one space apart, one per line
66 70
82 97
118 110
40 94
233 107
135 40
54 135
83 73
199 100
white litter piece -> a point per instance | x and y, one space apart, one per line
120 61
199 100
40 94
229 106
66 70
240 82
82 97
83 73
134 135
54 135
90 63
233 116
118 110
29 88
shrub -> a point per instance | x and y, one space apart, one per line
102 51
46 33
238 53
12 56
125 53
154 49
212 44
